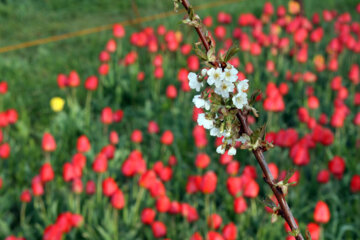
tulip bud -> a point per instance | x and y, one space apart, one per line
321 212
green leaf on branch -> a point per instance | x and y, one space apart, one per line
211 55
231 52
200 53
254 96
294 232
307 235
269 203
289 174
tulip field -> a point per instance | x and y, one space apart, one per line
144 128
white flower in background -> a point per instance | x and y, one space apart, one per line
193 82
223 88
232 151
231 74
243 86
220 149
239 100
206 123
215 75
198 101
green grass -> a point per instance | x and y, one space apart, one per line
31 74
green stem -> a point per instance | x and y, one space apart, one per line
98 188
136 207
116 235
22 213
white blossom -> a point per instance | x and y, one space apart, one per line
193 81
231 74
242 139
220 149
215 75
239 100
206 123
232 151
203 72
207 105
243 86
198 101
215 132
223 88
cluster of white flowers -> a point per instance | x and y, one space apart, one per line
232 92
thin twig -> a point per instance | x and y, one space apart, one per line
258 153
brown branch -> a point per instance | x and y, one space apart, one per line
201 34
258 153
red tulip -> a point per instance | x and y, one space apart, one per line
171 92
163 204
323 176
77 186
114 137
240 205
68 172
314 231
193 63
313 102
321 212
79 160
274 170
117 199
104 56
48 143
25 196
229 231
136 136
196 236
208 21
337 166
148 216
232 168
220 32
104 69
100 163
214 221
83 144
153 127
73 79
109 186
106 115
3 87
118 30
90 187
46 173
158 229
202 160
167 138
4 150
355 184
208 182
91 83
214 236
251 189
111 46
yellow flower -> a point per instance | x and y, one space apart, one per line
294 7
57 104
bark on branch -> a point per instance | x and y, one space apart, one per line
258 153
